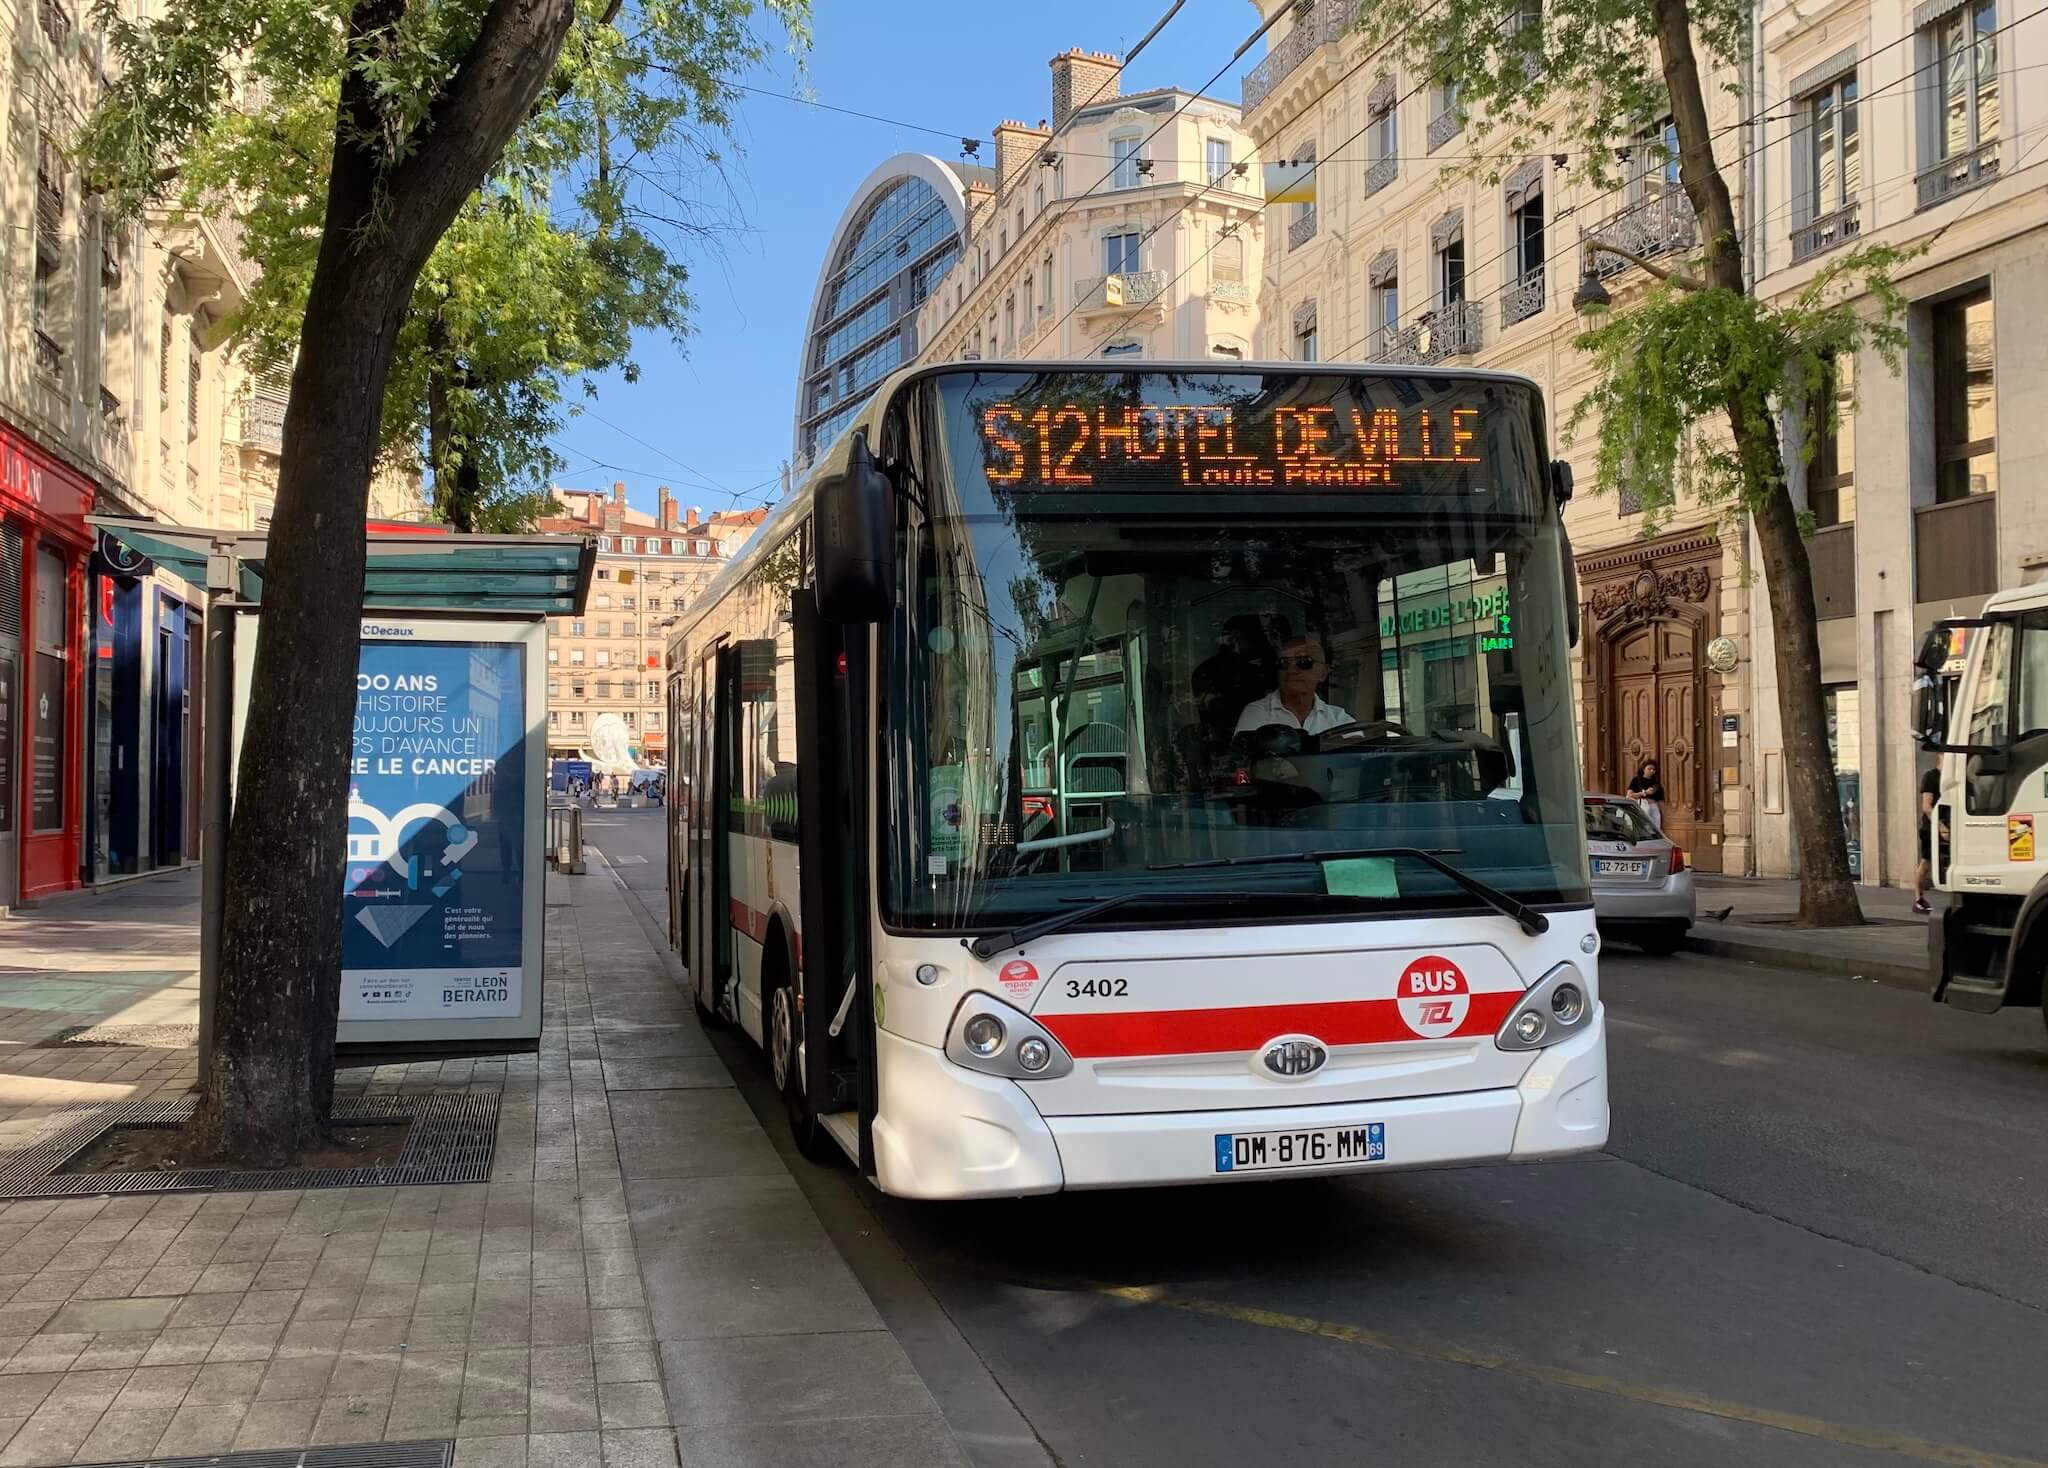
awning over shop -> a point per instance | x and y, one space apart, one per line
545 575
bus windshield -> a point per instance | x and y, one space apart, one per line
1173 631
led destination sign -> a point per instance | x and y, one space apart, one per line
1227 445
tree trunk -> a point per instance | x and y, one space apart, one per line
1827 896
269 1089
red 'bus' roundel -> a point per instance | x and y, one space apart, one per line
1433 996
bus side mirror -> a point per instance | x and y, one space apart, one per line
1934 651
1930 711
854 533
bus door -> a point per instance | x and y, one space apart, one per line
834 858
718 759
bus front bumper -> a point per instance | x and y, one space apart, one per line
946 1132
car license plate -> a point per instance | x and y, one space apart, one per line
1610 867
1312 1147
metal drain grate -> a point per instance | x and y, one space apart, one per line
140 1037
451 1141
366 1455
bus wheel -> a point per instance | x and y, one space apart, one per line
785 1061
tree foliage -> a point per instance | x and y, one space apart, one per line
1679 355
574 246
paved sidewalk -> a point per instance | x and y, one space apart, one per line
641 1271
1890 948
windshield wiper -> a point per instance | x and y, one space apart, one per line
990 944
1532 921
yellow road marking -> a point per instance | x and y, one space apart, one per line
1655 1396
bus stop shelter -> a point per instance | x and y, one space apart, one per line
442 912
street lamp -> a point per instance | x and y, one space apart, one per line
1591 300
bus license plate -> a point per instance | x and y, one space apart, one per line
1609 867
1315 1147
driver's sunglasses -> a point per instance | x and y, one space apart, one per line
1302 663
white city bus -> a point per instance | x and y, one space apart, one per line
1098 778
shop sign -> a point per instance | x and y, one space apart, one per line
33 478
1451 613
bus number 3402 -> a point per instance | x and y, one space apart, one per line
1098 988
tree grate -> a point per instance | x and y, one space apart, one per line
363 1455
451 1141
135 1037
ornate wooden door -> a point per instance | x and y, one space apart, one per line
1656 673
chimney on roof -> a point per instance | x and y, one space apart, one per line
666 516
1016 146
691 523
615 510
1082 79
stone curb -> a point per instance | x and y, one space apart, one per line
1812 961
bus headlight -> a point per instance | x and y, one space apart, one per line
983 1035
999 1039
1556 1007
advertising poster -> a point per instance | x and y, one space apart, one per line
434 911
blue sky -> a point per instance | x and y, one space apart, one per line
712 419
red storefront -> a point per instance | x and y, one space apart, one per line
43 548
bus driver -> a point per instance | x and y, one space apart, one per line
1294 703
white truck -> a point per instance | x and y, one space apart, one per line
1988 944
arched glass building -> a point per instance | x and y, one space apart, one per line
897 238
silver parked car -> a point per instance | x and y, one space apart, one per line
1642 889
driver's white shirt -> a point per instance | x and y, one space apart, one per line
1270 710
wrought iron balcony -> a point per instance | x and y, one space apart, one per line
49 208
110 406
1303 229
1235 292
1132 288
1826 232
1315 25
1435 336
1958 175
1380 174
1522 299
1443 127
55 21
263 422
1659 224
49 352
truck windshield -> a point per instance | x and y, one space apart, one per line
1150 620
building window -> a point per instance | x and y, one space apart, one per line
554 688
1831 170
1226 262
554 718
630 545
653 718
603 658
629 716
1386 314
604 573
1960 127
1965 405
626 628
1831 477
1523 297
604 599
576 717
1653 162
1450 271
1028 315
604 628
1009 325
554 655
577 687
653 603
604 688
576 629
1444 123
1120 254
653 689
1383 146
1123 152
604 544
626 602
1218 159
1045 296
1305 345
575 657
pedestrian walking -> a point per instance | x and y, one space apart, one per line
1923 874
1647 790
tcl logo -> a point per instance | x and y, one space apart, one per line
1433 996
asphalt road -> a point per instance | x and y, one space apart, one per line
1819 1236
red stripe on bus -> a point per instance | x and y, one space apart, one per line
753 924
1211 1031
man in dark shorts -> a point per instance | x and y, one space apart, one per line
1923 875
